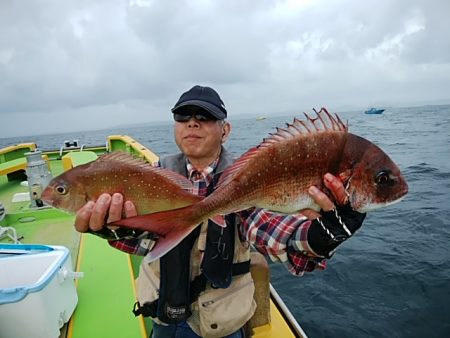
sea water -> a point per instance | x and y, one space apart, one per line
392 279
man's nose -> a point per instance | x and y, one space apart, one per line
193 122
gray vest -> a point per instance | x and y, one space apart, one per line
176 290
177 162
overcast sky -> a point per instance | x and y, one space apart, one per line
82 64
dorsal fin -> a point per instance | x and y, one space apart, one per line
141 164
126 158
228 174
323 122
176 178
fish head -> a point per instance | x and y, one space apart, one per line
375 180
66 193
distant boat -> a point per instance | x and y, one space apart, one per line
260 118
374 111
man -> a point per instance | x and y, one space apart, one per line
203 287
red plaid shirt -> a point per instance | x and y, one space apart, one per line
281 237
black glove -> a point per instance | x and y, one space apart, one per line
333 228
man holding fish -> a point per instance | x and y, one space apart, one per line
195 280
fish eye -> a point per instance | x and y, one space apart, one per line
61 189
383 177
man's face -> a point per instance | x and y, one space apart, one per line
199 139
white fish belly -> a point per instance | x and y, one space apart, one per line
291 207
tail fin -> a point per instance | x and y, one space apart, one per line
164 244
171 226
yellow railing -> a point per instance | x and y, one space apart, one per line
128 144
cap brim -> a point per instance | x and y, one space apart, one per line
212 109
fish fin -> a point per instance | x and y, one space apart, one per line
228 175
164 244
161 222
176 178
129 159
323 122
123 157
219 220
143 223
170 226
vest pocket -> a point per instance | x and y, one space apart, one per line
224 311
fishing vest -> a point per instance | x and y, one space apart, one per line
176 290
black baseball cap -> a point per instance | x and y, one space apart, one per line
203 97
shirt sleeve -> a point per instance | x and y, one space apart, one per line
137 246
283 238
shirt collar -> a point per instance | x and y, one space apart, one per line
206 174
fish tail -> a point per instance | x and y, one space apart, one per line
164 244
170 226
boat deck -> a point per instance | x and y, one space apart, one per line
107 291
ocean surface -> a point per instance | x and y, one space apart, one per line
392 279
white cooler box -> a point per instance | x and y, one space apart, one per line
37 290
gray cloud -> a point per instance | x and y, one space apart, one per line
109 58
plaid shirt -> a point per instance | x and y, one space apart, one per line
281 237
201 179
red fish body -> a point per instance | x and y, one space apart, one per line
150 189
276 176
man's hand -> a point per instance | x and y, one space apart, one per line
335 223
336 187
95 215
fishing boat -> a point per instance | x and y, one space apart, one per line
104 278
374 111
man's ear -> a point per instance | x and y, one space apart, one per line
226 130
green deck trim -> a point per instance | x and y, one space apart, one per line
56 167
105 293
13 165
52 231
74 159
7 191
16 151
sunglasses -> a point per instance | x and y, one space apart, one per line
200 116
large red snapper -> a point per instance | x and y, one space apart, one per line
276 176
150 189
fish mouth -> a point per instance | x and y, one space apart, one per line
404 191
375 206
372 204
400 195
45 198
47 201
